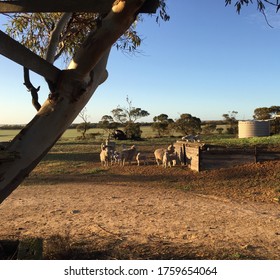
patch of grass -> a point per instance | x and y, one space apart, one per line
94 171
231 140
186 188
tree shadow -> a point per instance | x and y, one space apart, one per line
58 247
86 157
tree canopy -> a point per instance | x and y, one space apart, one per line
188 124
52 35
266 113
161 124
129 114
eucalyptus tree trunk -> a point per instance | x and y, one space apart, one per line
71 91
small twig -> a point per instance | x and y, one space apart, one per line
265 17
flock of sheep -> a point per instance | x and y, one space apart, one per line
109 156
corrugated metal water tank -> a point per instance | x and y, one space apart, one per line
253 129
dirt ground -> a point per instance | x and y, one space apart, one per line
148 212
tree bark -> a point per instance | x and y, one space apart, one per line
73 89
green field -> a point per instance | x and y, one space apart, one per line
70 134
148 134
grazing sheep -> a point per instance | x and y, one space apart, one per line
141 158
104 156
160 152
128 154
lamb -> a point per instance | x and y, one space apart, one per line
160 152
128 154
104 156
140 157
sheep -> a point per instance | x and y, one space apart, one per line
174 158
140 157
104 156
116 157
158 153
128 154
166 160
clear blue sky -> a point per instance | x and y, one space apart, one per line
206 61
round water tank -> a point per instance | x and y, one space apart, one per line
253 129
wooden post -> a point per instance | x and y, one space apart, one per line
199 159
185 154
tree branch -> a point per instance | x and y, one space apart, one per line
55 36
120 18
32 89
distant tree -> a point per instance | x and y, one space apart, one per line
161 124
209 128
220 130
108 124
85 125
133 130
128 117
128 114
187 124
269 113
265 113
230 119
171 127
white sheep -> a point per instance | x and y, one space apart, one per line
128 154
104 156
158 153
141 158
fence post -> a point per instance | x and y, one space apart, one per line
185 154
199 159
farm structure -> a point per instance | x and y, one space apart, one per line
200 157
253 128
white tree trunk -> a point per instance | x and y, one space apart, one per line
73 90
